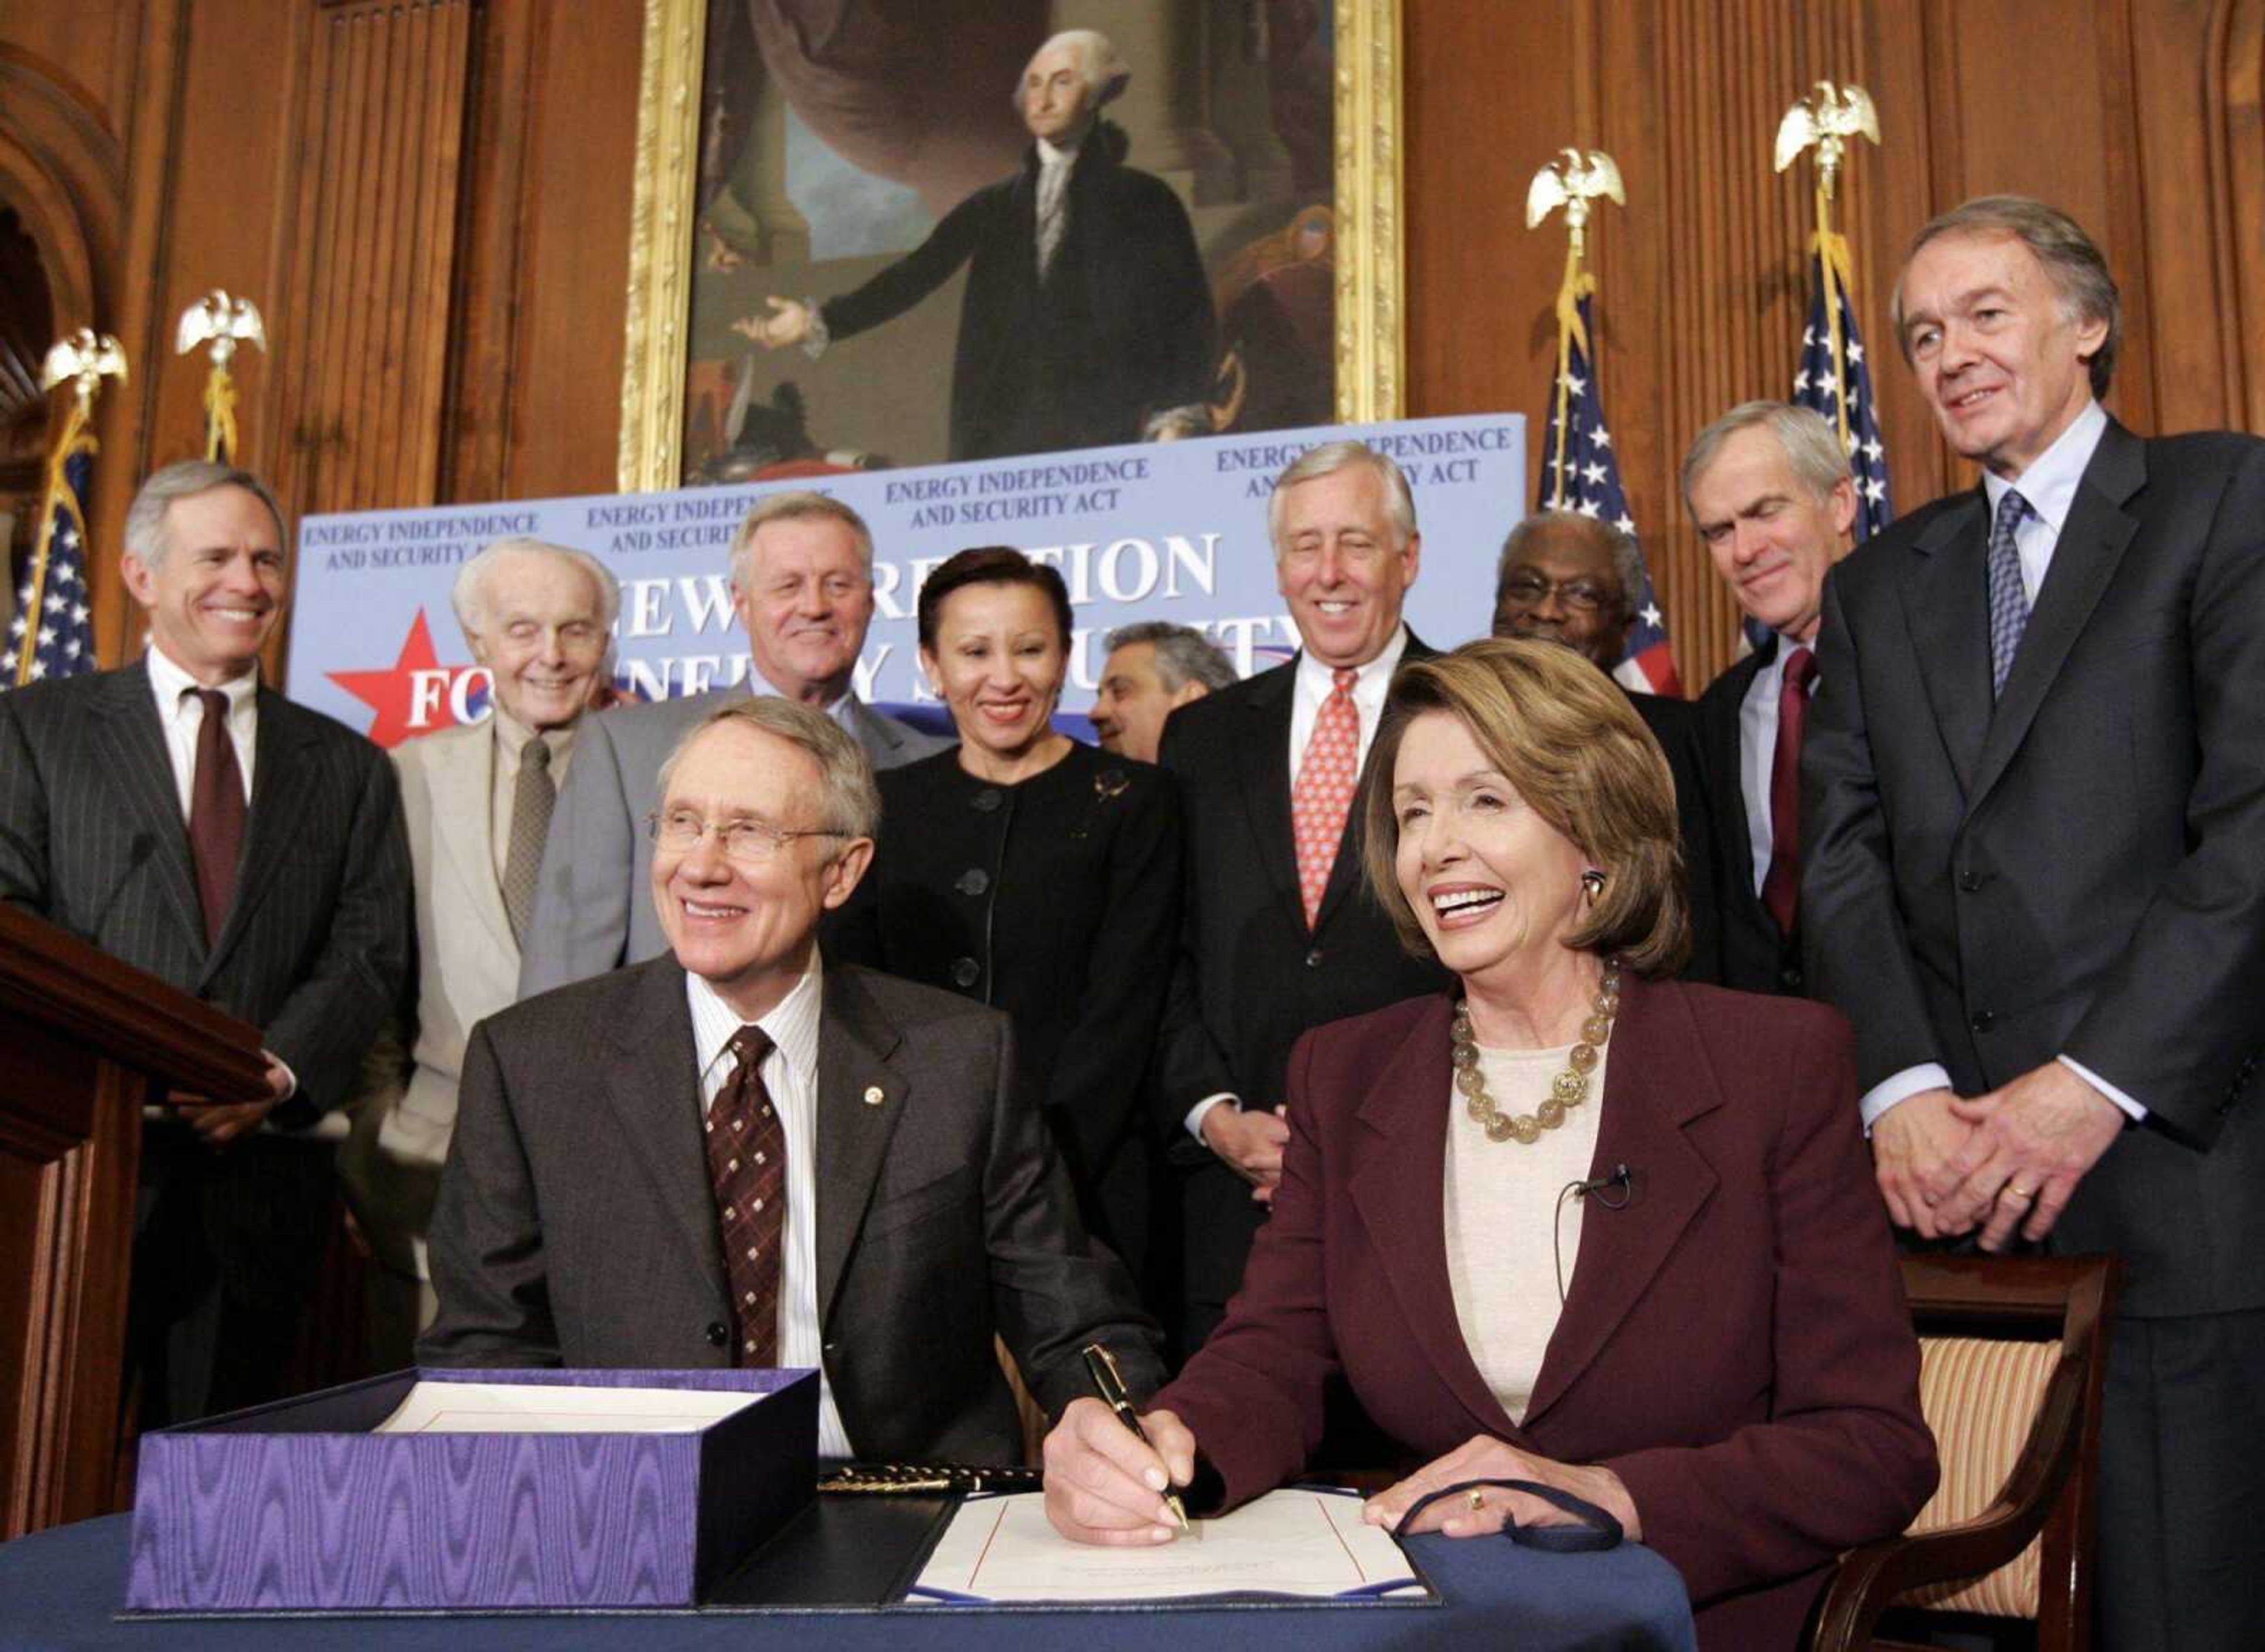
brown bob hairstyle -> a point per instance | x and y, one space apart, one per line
991 564
1563 734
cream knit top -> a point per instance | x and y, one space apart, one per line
1503 1201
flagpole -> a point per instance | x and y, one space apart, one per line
220 322
1824 120
84 359
1572 182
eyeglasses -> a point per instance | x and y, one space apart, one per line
1581 596
746 840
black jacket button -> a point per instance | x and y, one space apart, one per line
1313 958
719 1333
1984 1020
964 971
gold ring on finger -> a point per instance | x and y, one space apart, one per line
1477 1500
2010 1190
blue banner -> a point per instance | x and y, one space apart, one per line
1160 531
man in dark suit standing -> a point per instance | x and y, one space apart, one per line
1277 937
182 817
738 1154
1572 579
1768 486
802 585
2034 814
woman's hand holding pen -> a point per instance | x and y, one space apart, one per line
1104 1485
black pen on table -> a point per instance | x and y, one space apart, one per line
1101 1365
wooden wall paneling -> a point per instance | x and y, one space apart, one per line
572 282
2235 110
490 241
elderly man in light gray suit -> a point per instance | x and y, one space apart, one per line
802 583
738 1154
478 799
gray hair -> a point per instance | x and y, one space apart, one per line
849 802
146 538
796 505
1329 458
1626 554
2074 264
1812 447
469 596
1104 69
1183 654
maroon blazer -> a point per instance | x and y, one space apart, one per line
1735 1345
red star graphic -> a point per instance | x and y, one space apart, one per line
412 695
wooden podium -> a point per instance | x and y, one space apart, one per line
85 1041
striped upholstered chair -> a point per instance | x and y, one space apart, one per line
2012 1352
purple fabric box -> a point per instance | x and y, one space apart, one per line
297 1506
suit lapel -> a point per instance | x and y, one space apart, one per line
1399 1187
652 1085
1726 768
1653 1089
857 1044
130 748
2083 560
462 774
1947 605
279 795
1263 763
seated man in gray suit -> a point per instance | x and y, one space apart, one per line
478 799
802 583
183 817
736 1155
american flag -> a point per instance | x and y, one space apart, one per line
1580 472
1815 384
52 633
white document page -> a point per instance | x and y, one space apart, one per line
1301 1543
518 1408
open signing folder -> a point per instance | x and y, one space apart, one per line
1300 1544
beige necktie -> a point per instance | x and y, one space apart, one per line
530 823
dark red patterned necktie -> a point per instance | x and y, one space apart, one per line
746 1164
1781 887
216 810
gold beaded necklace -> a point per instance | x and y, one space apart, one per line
1568 1090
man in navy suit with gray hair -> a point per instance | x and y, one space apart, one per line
185 818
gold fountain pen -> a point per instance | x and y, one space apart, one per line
1110 1381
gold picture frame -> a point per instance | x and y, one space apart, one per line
1370 344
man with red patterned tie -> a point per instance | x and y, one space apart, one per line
740 1155
182 817
1277 937
1768 486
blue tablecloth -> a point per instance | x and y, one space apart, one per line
63 1589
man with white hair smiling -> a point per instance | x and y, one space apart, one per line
1087 318
478 800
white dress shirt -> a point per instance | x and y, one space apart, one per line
1757 751
1314 683
1054 165
789 1073
511 738
182 714
2050 486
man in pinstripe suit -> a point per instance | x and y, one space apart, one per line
186 820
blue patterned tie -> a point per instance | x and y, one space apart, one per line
2009 604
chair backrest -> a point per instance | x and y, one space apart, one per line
2012 1358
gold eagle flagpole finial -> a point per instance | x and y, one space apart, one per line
1824 120
81 360
219 323
1572 181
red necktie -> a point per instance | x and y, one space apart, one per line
747 1163
216 810
1323 796
1781 888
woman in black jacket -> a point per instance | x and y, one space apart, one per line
1033 873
